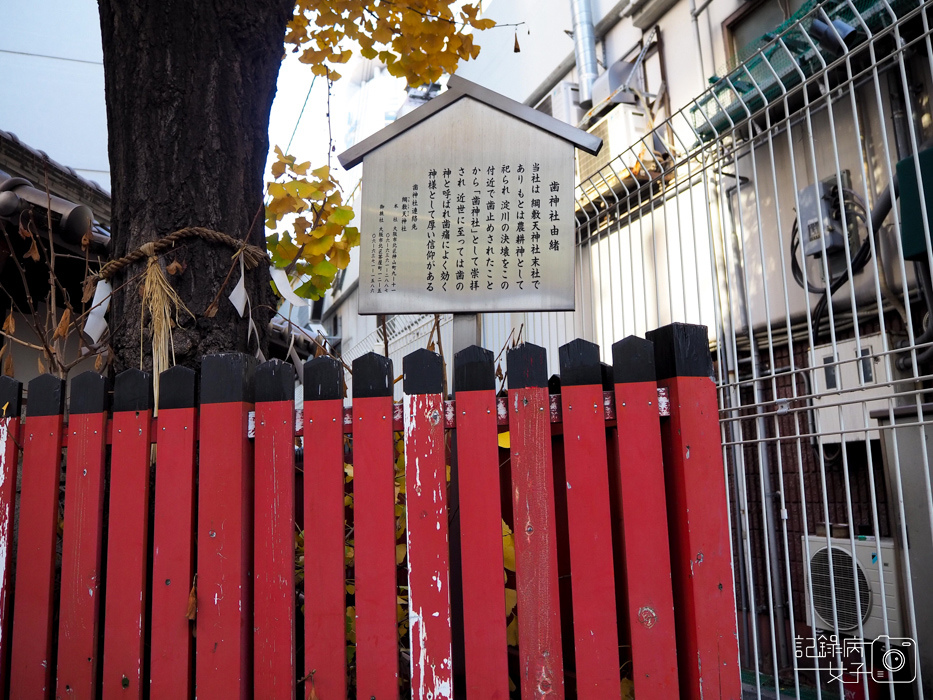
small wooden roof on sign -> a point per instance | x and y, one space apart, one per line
458 88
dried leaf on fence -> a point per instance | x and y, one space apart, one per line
42 369
90 286
192 612
9 326
62 330
8 365
99 362
33 252
24 232
499 371
3 350
399 553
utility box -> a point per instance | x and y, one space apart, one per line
913 234
842 385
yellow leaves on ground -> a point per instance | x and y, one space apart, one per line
416 39
319 242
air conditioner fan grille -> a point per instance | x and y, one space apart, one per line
842 575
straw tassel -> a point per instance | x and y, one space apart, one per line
161 302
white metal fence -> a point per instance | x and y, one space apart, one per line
734 214
784 209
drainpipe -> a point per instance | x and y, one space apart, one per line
584 48
695 18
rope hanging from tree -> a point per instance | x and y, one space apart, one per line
252 255
160 300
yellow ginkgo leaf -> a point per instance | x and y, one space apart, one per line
511 633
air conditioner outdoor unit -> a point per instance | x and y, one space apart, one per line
621 131
563 102
870 554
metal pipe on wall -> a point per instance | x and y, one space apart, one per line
694 18
584 48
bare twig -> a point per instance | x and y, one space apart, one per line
21 341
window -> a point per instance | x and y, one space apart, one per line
745 30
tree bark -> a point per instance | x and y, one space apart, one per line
189 86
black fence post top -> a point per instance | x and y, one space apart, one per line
46 396
275 381
323 379
422 372
132 391
11 397
579 363
227 378
681 350
633 360
527 366
372 376
474 369
178 388
90 393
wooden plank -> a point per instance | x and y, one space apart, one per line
374 529
697 512
642 533
11 395
486 650
450 413
325 571
172 656
225 529
274 518
82 539
539 629
427 532
596 635
128 537
33 609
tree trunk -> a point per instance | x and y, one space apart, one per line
189 86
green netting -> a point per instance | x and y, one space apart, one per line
790 57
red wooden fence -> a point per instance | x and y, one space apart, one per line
169 572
